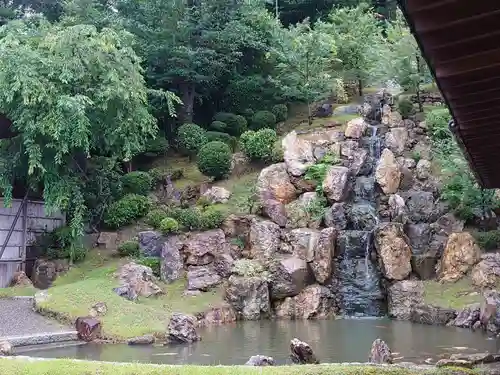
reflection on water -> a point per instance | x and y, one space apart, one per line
346 340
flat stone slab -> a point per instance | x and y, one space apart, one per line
41 338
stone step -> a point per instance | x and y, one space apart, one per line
41 338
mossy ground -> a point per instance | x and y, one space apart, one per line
451 295
68 367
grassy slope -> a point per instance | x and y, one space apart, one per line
451 295
67 367
92 281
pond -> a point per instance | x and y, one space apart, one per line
344 340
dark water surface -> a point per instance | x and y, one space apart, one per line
346 340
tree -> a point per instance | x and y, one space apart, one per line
12 9
71 93
357 34
305 58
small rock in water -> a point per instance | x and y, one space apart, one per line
182 329
454 363
141 340
5 348
477 358
380 352
260 360
301 353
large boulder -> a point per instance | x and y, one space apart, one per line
218 315
468 316
490 311
362 216
264 239
420 205
298 154
323 254
88 328
314 302
171 264
486 273
396 140
335 183
288 277
201 248
355 128
182 329
302 242
217 194
202 278
431 315
419 236
423 169
150 243
335 216
460 255
238 226
402 296
138 279
249 297
393 250
358 162
387 173
380 353
301 353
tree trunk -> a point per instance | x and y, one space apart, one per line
187 96
419 71
309 115
360 87
419 100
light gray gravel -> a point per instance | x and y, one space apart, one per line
18 318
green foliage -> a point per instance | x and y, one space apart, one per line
316 208
151 262
155 217
157 146
277 154
190 138
248 114
488 240
263 119
212 218
129 249
214 159
194 218
259 145
169 225
439 131
203 202
239 242
280 111
405 107
252 91
248 268
218 126
126 210
222 137
318 171
60 244
235 124
416 156
137 182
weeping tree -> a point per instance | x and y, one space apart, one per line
72 93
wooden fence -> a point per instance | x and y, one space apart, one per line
20 224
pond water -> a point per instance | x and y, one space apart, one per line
345 340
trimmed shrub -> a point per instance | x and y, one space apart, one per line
157 146
211 218
236 124
263 119
248 114
218 126
189 218
223 137
169 225
259 145
405 107
126 210
129 249
137 182
155 217
214 159
190 138
280 111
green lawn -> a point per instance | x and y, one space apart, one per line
74 293
68 367
451 295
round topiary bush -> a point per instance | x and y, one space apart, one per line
263 119
129 249
189 218
405 107
259 145
214 159
235 124
223 137
137 182
169 225
211 218
280 111
190 138
157 146
218 126
248 114
126 210
155 217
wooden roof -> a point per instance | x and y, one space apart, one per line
460 41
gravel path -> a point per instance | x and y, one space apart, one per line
18 318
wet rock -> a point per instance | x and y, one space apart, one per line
150 243
99 309
362 217
423 169
88 328
364 189
260 360
420 205
348 148
219 315
5 348
288 277
454 363
419 236
301 353
141 340
264 239
202 278
476 358
323 254
249 297
431 315
468 316
298 154
138 279
486 273
19 279
398 210
394 253
314 302
460 255
387 173
396 140
402 296
355 128
335 183
490 313
46 271
380 353
182 329
107 240
202 248
302 213
217 194
335 216
357 161
238 226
